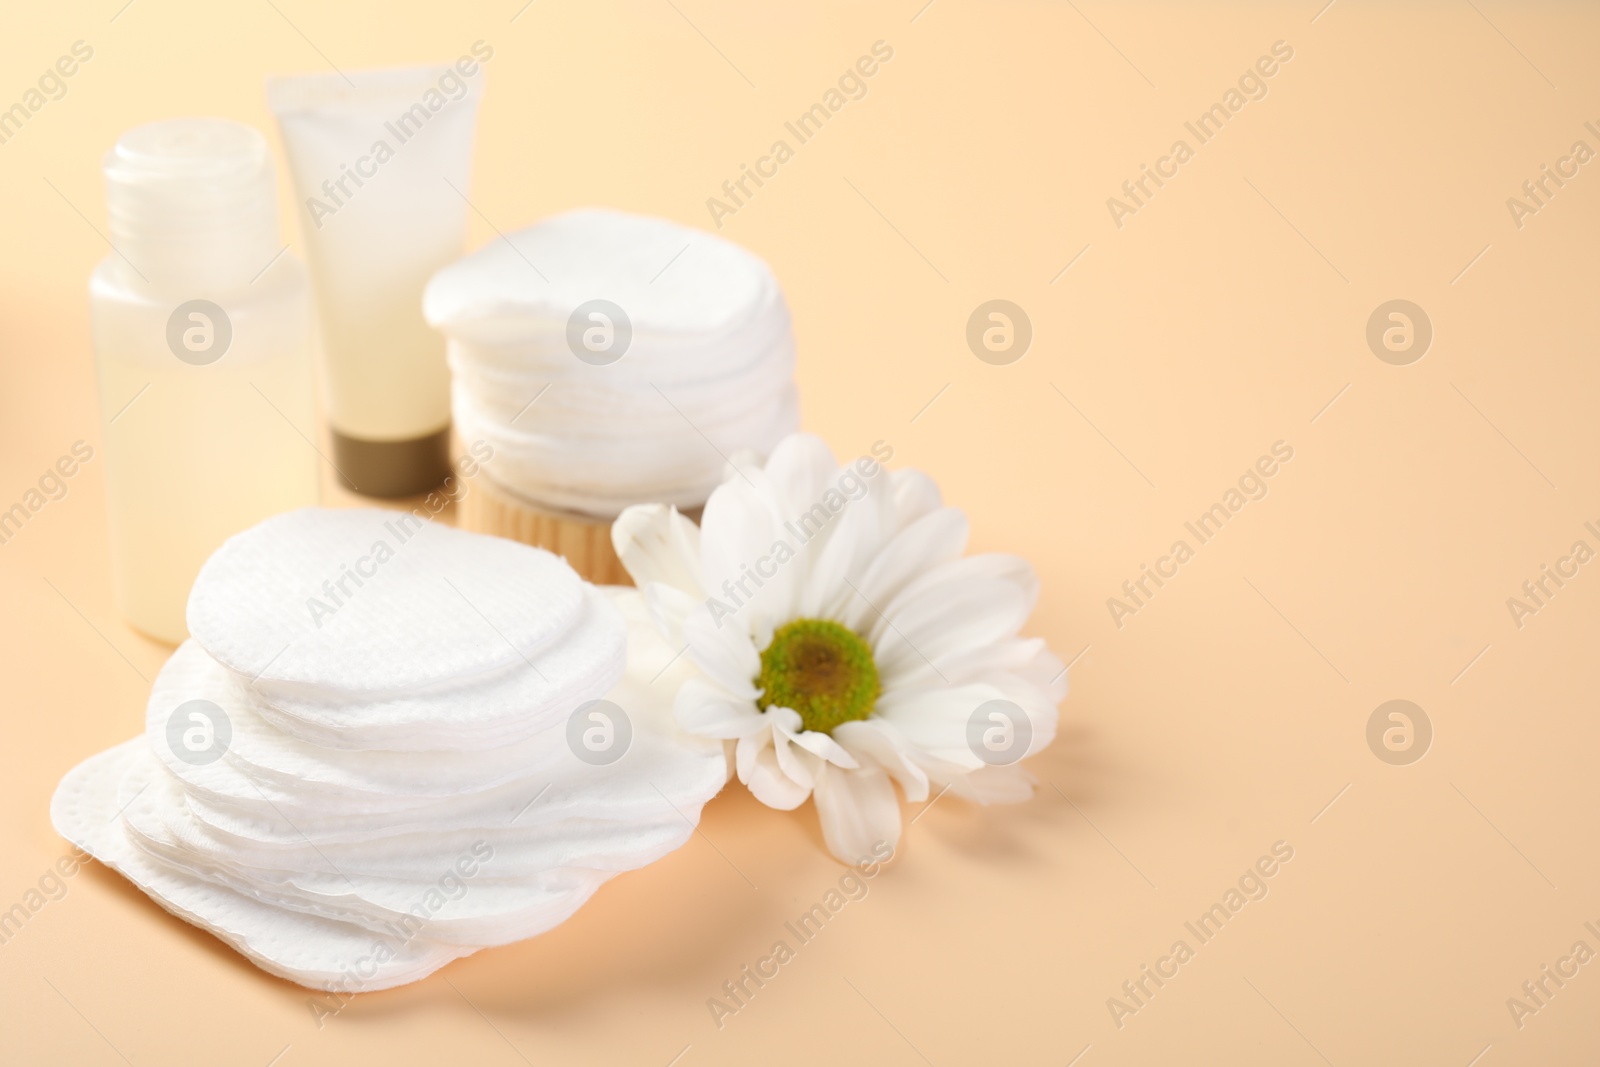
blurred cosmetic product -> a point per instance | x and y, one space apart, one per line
203 339
380 162
610 359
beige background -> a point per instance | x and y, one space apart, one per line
1227 715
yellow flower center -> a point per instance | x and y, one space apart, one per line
822 670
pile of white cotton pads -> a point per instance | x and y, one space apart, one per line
390 743
612 359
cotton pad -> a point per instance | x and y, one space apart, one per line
607 359
349 831
487 710
484 912
374 601
315 952
270 788
495 296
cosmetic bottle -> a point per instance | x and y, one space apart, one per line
380 162
203 339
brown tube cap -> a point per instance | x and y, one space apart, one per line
392 468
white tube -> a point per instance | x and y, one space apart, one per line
380 162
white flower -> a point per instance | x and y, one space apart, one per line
842 640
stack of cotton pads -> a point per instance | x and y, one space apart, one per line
612 359
383 748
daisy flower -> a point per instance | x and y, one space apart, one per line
843 642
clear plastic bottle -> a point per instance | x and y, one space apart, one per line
203 340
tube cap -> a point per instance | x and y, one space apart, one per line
391 469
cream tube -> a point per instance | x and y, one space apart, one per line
380 162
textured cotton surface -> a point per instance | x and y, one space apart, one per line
487 710
436 604
356 866
494 294
707 370
313 951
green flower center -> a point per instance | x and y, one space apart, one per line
822 670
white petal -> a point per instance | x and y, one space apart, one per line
668 606
934 720
1027 657
934 539
663 662
759 771
800 470
656 544
915 495
968 607
703 708
858 811
838 557
795 762
725 653
1022 683
735 528
822 746
1036 703
748 748
874 741
997 567
739 531
1044 669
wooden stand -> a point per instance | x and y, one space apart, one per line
584 541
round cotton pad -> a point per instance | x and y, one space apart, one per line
493 296
316 952
362 868
366 601
627 370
